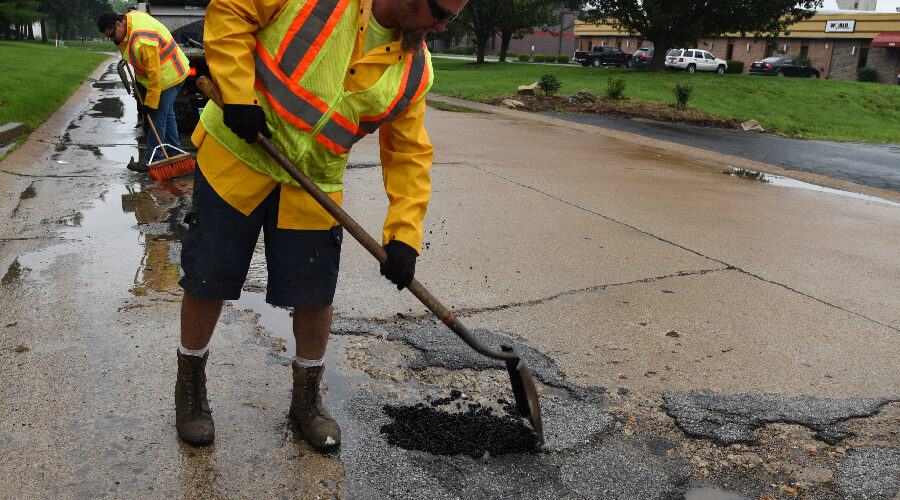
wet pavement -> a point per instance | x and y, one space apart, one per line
870 164
691 333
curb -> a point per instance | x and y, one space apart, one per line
12 131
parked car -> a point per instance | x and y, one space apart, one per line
691 60
602 55
642 57
783 66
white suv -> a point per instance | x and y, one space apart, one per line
691 60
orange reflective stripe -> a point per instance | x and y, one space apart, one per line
294 103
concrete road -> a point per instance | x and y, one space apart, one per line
870 164
693 334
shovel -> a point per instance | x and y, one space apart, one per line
523 386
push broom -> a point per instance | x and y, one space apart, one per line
170 166
522 382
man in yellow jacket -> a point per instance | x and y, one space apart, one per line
159 65
315 76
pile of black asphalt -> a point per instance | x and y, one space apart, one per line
732 418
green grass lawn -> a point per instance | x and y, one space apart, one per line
37 78
800 107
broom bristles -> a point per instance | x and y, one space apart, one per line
172 167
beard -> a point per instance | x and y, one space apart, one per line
412 38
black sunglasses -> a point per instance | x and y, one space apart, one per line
440 14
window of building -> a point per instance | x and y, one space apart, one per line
730 51
804 51
770 50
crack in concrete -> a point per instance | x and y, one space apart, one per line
695 252
731 418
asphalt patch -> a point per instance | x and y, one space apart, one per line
731 418
578 467
477 432
440 347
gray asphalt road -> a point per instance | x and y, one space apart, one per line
870 164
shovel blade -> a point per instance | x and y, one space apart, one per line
525 392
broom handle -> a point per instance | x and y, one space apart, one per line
150 121
208 87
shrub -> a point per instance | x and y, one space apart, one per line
683 93
867 74
510 55
804 61
466 49
549 83
615 87
562 59
524 57
735 67
538 58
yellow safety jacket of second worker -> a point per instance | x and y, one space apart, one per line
145 32
301 61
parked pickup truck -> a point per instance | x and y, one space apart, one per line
602 55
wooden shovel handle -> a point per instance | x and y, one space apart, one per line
208 87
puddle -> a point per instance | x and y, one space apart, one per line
108 84
342 383
92 149
105 233
778 180
109 107
120 154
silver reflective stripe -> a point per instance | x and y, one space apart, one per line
293 103
340 135
301 42
143 34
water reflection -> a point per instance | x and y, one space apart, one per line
109 107
158 210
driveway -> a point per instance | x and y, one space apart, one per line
869 164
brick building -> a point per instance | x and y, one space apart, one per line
836 43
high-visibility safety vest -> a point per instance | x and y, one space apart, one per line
301 60
145 30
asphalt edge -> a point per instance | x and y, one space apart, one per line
713 159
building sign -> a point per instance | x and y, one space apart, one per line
840 26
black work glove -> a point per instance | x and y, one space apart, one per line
400 266
246 120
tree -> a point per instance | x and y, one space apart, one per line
20 13
484 19
671 23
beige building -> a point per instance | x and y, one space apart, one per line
837 44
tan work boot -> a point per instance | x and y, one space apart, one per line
315 424
193 418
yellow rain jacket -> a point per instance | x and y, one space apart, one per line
157 60
316 117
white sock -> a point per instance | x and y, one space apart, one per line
308 363
193 352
